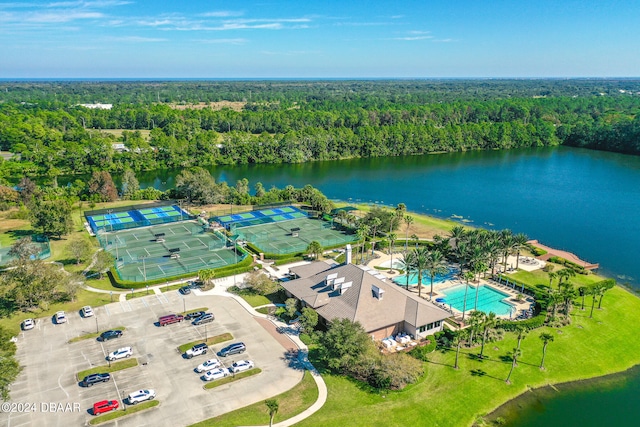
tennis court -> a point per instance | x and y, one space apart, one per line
293 236
263 216
167 250
134 216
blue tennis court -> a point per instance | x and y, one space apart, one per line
264 216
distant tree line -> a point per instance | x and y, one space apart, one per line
289 123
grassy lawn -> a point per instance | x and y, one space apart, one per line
121 413
423 226
291 403
93 335
172 287
210 341
446 397
539 277
184 313
115 366
232 378
139 294
255 300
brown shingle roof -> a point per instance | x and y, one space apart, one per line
358 302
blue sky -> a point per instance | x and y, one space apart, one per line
328 38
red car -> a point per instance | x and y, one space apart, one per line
105 406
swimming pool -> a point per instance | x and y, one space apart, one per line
489 299
426 279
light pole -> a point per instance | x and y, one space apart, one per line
147 289
124 405
144 267
111 295
235 252
184 305
205 333
97 330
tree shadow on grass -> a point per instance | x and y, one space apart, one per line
480 373
19 234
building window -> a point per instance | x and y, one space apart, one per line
422 329
430 326
438 323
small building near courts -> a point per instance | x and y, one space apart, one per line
352 292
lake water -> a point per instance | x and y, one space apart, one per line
586 202
582 201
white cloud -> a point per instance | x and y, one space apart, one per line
412 38
222 41
222 14
135 39
60 16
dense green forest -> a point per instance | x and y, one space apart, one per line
50 134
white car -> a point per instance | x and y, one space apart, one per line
87 311
28 324
215 374
140 396
61 317
241 365
208 365
120 353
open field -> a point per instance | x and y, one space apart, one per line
146 133
214 105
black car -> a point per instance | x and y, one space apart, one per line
185 290
108 335
205 318
235 348
194 315
92 379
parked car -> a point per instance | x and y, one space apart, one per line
105 406
235 348
194 315
120 353
140 396
61 317
241 365
205 318
92 379
185 290
87 311
215 374
196 350
110 334
28 324
170 318
208 365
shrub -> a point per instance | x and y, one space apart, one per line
529 324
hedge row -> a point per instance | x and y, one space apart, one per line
572 265
536 251
528 324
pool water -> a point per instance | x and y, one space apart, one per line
489 299
426 279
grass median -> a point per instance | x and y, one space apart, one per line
94 335
231 378
122 413
193 310
291 403
209 341
115 366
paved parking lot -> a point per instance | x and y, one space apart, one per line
50 364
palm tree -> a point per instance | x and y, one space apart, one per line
436 264
415 239
594 292
478 268
604 287
362 232
418 262
522 332
475 320
375 223
273 407
409 260
206 277
546 339
514 354
508 244
554 299
564 274
351 219
315 249
552 276
582 291
490 321
568 293
392 241
520 242
341 216
458 338
467 276
408 220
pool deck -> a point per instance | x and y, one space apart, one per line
439 287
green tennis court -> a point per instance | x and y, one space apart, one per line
293 236
167 250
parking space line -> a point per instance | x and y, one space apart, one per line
144 301
162 299
106 308
62 388
126 306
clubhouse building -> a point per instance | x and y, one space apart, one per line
361 295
